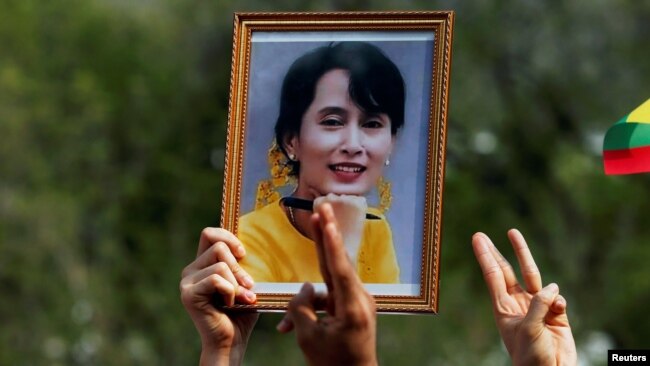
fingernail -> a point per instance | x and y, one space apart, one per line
282 325
248 281
241 251
481 239
307 286
250 295
554 287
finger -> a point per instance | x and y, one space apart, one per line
215 285
345 281
508 273
242 294
318 239
319 302
558 315
492 272
329 301
223 254
220 252
559 305
211 235
540 306
300 313
219 268
285 325
245 296
529 270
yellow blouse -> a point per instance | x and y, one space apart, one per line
277 252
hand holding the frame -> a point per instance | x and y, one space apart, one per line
533 322
215 276
350 214
346 335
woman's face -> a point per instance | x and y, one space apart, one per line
341 149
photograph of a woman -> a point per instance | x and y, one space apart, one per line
336 135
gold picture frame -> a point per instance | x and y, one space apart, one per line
419 43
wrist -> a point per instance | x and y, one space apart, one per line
357 360
214 358
221 356
370 362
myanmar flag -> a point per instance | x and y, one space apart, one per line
626 149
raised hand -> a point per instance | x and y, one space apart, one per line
346 335
215 276
533 322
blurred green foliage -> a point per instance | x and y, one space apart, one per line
112 130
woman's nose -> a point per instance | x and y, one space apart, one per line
352 140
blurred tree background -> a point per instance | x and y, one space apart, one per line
112 130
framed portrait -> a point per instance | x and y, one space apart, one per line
350 104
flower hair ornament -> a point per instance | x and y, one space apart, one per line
279 168
269 190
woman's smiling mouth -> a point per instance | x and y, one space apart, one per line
347 172
348 168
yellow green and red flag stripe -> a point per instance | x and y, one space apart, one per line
626 149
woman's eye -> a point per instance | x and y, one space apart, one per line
373 124
331 122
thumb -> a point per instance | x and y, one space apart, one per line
540 306
301 312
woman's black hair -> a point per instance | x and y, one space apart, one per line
376 85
